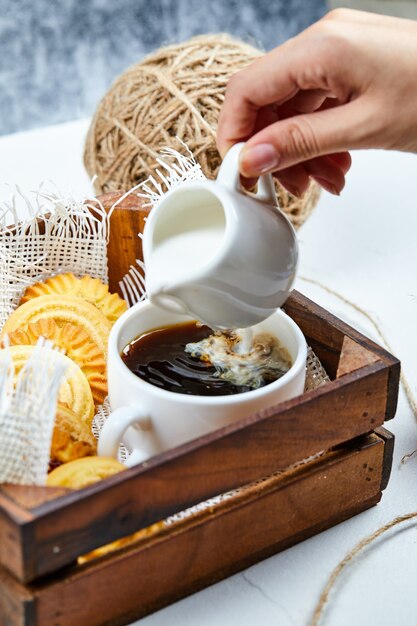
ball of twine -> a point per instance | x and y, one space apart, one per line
175 92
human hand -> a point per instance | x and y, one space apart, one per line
349 81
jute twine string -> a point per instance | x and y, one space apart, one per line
177 91
352 554
318 613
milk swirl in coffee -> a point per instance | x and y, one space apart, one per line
189 358
242 358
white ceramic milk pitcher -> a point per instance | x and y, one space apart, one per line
213 251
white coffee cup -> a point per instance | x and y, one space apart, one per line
149 420
215 252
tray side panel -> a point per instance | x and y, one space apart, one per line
209 549
16 603
325 333
389 441
124 246
66 527
11 540
42 536
72 525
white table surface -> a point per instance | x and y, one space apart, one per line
364 245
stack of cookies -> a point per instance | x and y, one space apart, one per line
76 315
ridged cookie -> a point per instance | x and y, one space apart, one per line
72 438
91 289
82 472
74 390
63 309
77 346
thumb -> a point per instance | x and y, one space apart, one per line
304 137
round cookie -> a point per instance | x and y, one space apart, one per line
83 472
74 390
77 346
72 438
91 289
63 309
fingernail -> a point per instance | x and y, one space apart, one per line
259 159
327 186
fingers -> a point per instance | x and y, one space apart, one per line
308 101
295 179
273 80
347 82
329 171
239 113
305 137
342 159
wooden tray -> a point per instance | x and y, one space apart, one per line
195 552
44 530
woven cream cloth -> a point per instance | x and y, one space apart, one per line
57 235
27 414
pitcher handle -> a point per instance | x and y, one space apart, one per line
229 177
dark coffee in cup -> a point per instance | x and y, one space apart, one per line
159 357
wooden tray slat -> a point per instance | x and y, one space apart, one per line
215 463
124 246
209 546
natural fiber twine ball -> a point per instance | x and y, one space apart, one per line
175 92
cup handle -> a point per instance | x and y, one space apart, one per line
229 176
114 428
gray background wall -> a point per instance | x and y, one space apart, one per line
58 57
